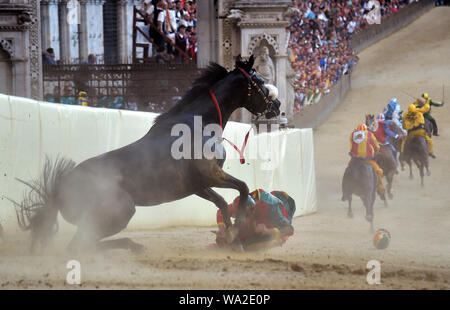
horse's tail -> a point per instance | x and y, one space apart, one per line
38 210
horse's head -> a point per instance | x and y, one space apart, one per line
371 123
262 98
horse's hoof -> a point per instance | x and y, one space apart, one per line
390 196
428 173
411 177
231 234
369 218
237 247
350 215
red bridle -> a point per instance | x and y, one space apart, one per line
241 150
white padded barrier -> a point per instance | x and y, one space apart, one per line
29 130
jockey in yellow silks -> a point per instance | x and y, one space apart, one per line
414 123
364 145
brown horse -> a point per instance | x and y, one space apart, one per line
428 129
360 179
416 150
385 158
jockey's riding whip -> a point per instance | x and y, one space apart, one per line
408 94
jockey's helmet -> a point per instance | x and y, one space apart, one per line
425 95
411 108
393 100
380 117
362 127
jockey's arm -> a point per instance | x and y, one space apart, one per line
436 104
389 132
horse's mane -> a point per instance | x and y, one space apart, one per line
210 76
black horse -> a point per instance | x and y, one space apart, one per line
360 179
100 194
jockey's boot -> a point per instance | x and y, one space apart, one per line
432 155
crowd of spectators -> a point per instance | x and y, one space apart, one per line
173 29
320 33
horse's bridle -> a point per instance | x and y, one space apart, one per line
251 83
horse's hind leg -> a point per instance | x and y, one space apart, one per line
350 212
368 203
420 166
410 169
110 216
390 179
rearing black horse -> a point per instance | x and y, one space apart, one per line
100 194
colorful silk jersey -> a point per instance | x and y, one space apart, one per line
363 144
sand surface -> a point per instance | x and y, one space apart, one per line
328 249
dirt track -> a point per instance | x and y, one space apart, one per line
328 250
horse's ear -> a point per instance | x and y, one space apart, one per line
251 62
239 62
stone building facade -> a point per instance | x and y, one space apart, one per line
232 27
77 28
20 58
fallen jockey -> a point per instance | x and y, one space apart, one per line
392 112
427 115
267 224
383 133
364 145
414 122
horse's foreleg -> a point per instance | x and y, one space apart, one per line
214 197
216 177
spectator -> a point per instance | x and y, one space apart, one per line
48 57
92 60
118 101
158 22
182 43
83 98
68 97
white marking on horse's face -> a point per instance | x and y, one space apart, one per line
273 91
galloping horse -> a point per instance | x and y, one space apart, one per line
398 146
99 195
385 157
416 149
360 179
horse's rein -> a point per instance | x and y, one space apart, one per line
267 101
241 150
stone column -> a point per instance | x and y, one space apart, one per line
83 32
64 35
207 34
122 33
45 25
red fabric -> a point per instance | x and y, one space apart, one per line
365 149
379 133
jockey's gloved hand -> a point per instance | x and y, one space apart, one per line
396 137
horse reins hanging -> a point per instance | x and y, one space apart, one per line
250 84
240 151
